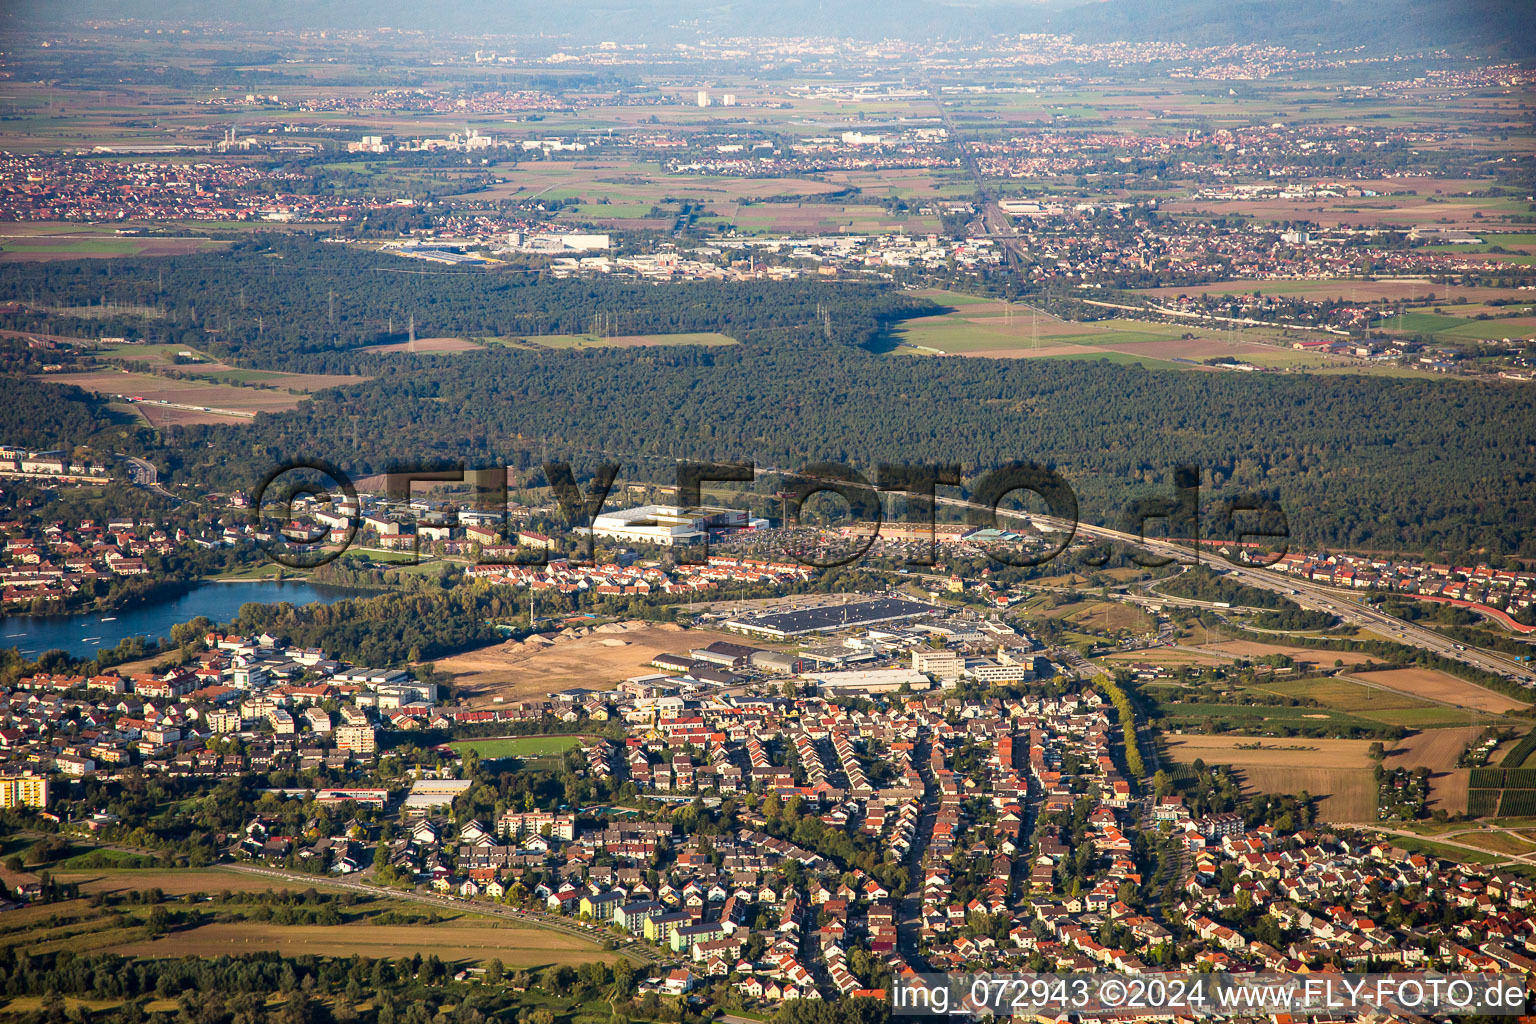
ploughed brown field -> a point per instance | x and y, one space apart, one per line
1301 655
1432 684
426 345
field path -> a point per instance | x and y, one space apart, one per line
640 955
1520 859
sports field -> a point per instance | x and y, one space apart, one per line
518 746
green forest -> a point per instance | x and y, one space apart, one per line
1356 463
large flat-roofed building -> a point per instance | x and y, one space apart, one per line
667 525
872 680
830 618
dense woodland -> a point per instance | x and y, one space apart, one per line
1357 463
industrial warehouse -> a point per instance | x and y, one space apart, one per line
830 617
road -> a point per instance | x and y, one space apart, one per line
1523 859
995 223
145 475
1304 592
910 909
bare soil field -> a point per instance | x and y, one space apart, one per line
1301 655
1437 750
1342 794
1270 752
514 946
426 345
1432 684
165 416
598 661
150 388
1164 656
1337 772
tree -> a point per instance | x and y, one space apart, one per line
159 922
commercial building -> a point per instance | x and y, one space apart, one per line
666 525
946 665
830 618
870 680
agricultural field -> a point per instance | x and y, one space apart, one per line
816 218
173 881
1389 707
79 926
1442 688
464 940
1453 211
1464 325
623 190
1347 288
1253 719
1302 656
425 346
1169 657
162 400
1108 616
1338 772
27 242
994 329
204 367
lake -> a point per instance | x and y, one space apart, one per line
85 634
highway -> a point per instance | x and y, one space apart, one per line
1305 593
146 475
